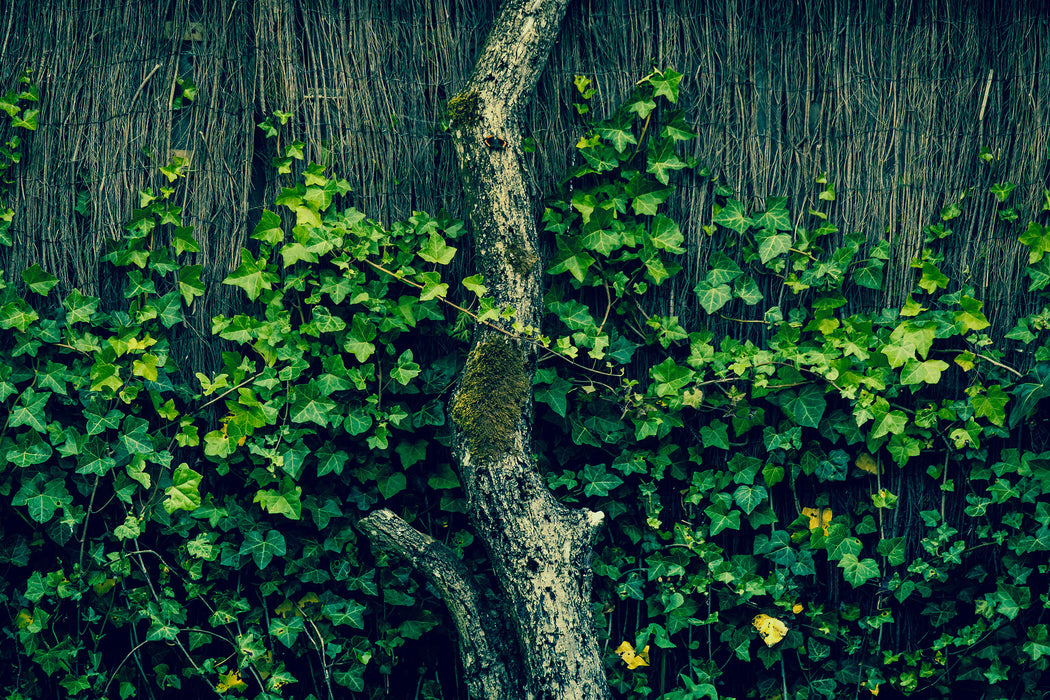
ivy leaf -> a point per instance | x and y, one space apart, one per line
79 308
184 493
618 135
38 280
902 448
146 367
722 269
183 240
665 235
971 317
30 451
870 274
648 203
775 217
712 297
309 406
893 550
436 251
603 241
772 245
597 481
42 503
190 284
576 265
601 158
358 340
721 518
263 548
991 404
928 371
287 501
858 572
746 289
405 370
30 410
732 216
748 497
665 83
135 437
392 484
663 160
807 407
889 422
286 631
17 314
252 275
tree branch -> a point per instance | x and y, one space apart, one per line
485 642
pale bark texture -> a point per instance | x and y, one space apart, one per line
539 549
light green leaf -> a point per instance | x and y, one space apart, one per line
928 371
436 251
184 493
252 276
772 245
732 216
712 297
858 572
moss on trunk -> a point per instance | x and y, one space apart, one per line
493 393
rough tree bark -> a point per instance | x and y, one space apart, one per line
534 638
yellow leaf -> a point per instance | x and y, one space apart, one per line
771 629
818 517
230 681
797 608
104 587
308 598
284 608
626 652
867 463
23 619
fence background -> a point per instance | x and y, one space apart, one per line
893 100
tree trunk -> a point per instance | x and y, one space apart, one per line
539 549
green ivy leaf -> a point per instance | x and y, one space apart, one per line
665 235
776 216
772 245
712 297
287 501
597 481
436 251
732 216
748 497
858 572
807 407
252 275
263 547
30 410
29 451
184 493
928 371
38 280
190 284
286 631
42 502
722 518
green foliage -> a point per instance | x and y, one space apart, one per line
786 476
874 481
